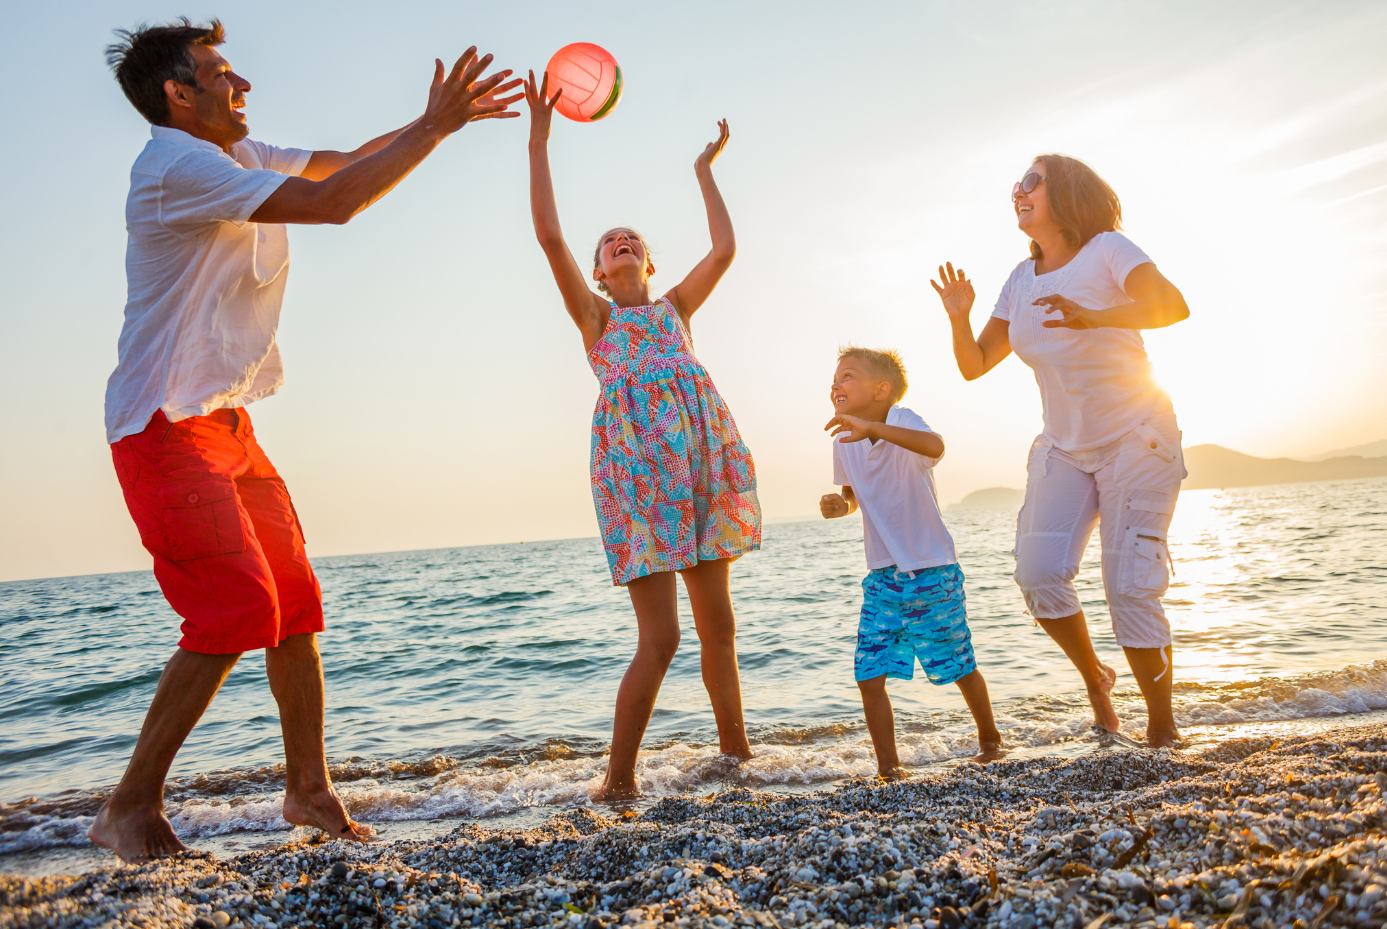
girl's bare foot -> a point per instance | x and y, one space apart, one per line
894 774
1104 716
136 836
1162 738
322 809
611 791
990 751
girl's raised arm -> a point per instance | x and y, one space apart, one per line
587 309
690 293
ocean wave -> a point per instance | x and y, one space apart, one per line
557 774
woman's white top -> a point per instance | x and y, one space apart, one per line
901 521
1095 384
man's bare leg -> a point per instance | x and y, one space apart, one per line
1071 634
1153 668
295 671
131 822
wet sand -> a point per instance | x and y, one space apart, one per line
1252 832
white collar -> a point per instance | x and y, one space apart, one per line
169 134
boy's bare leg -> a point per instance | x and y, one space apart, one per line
974 689
131 822
1147 664
1071 634
295 671
657 617
710 595
881 723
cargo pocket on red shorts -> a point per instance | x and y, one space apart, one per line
1145 564
199 520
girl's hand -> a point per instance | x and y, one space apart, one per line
494 98
713 149
541 106
833 506
1072 315
957 292
850 427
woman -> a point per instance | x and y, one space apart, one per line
1110 451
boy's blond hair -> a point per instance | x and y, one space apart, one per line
884 363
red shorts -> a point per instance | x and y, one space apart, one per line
227 544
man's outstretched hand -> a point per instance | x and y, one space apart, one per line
461 97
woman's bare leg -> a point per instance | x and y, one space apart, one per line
657 617
1147 665
710 595
1071 634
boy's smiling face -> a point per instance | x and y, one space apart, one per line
856 391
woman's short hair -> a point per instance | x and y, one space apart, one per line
885 363
147 56
1081 202
597 252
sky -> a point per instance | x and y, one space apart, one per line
436 393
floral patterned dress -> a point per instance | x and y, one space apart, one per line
671 478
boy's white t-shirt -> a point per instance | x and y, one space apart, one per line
901 522
1095 384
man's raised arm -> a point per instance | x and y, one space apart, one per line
338 185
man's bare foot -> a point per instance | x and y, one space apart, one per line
1163 738
990 751
1104 716
323 809
894 774
136 836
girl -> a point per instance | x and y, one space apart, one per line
1110 452
674 485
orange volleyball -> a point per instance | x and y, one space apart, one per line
590 79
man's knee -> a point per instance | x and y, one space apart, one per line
1035 572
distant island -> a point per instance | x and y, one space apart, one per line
1216 466
1213 466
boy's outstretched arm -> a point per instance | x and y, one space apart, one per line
586 308
691 293
855 429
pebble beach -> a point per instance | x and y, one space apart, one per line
1253 832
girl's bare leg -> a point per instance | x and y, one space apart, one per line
657 617
710 595
1147 665
1071 634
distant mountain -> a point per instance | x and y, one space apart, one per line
1371 450
1215 466
992 498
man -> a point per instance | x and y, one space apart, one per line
206 265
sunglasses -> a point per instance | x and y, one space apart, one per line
1026 184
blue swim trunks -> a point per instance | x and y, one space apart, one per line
905 618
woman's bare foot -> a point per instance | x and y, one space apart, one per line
135 836
1104 716
990 751
323 809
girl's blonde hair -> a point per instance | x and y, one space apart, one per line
884 363
597 252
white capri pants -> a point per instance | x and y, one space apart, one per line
1128 489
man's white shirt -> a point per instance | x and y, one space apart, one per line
901 521
205 284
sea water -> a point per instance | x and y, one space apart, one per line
479 682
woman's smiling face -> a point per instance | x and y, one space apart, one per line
1032 209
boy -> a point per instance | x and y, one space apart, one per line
913 594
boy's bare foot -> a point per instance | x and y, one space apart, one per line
990 751
136 836
1104 716
1163 738
322 809
894 774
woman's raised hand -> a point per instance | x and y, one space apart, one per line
956 292
1072 316
541 105
714 148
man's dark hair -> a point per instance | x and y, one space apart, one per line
147 56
